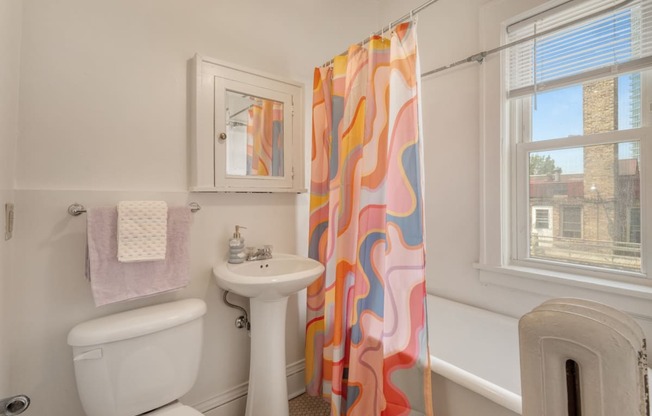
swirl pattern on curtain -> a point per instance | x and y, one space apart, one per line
366 341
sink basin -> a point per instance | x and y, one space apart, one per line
274 278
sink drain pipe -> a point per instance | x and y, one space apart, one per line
241 321
14 405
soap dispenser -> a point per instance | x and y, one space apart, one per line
236 247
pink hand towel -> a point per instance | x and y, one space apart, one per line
113 281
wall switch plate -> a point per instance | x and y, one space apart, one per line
9 221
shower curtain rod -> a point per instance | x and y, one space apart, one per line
389 27
479 57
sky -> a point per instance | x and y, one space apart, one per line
558 114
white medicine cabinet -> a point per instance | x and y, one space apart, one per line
246 130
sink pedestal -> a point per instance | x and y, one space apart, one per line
268 392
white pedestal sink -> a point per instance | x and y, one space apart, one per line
268 283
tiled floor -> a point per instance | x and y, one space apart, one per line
305 405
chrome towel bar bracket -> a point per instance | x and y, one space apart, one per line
78 209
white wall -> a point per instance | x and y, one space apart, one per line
10 18
110 79
104 117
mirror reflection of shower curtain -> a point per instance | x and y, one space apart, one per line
265 139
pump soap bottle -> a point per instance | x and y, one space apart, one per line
236 247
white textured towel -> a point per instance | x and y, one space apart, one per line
142 230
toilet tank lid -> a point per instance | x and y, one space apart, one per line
137 322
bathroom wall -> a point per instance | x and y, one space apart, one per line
10 18
104 118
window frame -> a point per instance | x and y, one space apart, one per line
516 132
518 127
494 266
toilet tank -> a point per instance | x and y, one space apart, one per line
135 361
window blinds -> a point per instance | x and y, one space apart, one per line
615 42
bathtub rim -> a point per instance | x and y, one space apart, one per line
478 385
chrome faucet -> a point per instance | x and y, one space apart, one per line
259 254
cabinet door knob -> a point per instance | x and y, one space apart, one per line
222 136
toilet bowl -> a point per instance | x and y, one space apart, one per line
139 361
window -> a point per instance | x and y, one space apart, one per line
575 101
541 218
634 225
571 222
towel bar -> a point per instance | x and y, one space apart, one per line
78 209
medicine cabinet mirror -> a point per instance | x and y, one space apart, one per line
247 130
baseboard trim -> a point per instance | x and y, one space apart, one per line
296 379
296 367
294 373
223 398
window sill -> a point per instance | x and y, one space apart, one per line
540 281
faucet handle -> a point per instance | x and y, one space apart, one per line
267 248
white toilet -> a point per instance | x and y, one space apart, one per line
139 361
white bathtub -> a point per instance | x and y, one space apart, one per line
475 360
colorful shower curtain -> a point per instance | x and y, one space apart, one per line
366 340
265 138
